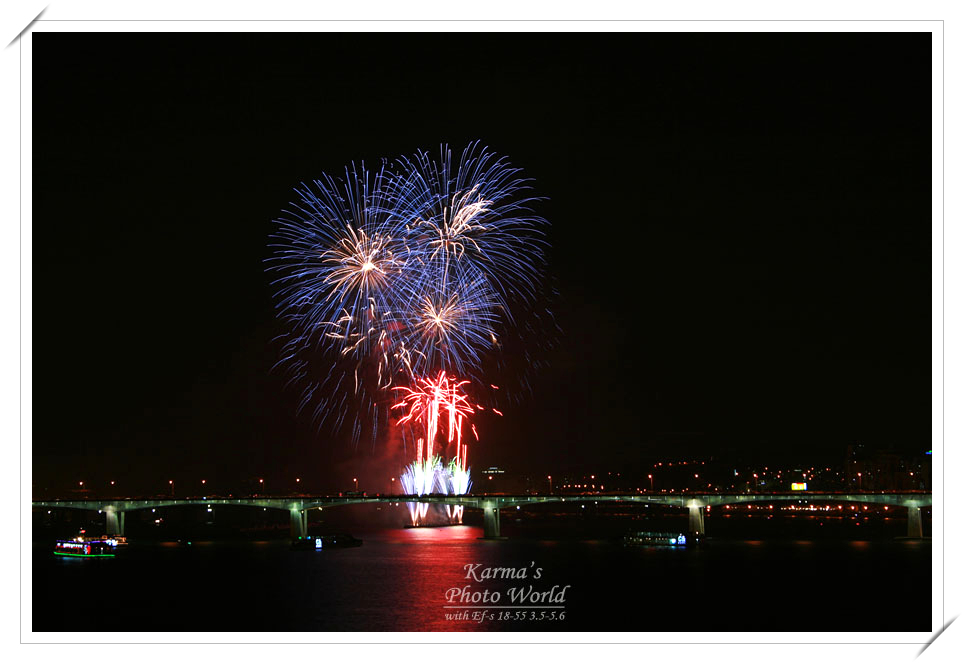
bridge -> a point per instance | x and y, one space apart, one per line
299 506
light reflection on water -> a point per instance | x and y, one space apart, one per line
429 534
396 581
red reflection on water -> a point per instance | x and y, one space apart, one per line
436 563
434 534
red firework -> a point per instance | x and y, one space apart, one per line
427 402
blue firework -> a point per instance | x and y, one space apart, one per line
476 212
386 275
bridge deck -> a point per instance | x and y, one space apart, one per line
917 499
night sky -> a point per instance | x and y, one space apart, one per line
741 238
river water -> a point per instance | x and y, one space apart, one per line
403 580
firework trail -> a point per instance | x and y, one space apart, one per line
391 282
338 255
431 403
473 215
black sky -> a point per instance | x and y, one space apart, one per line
740 238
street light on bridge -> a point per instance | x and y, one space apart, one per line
171 482
355 480
651 482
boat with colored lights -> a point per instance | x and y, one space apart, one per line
649 538
88 547
322 542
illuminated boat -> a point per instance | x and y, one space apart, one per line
322 542
645 538
88 547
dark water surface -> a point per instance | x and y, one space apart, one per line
397 581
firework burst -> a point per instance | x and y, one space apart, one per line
400 278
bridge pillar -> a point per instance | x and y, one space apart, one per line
115 522
299 522
696 520
914 527
490 521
